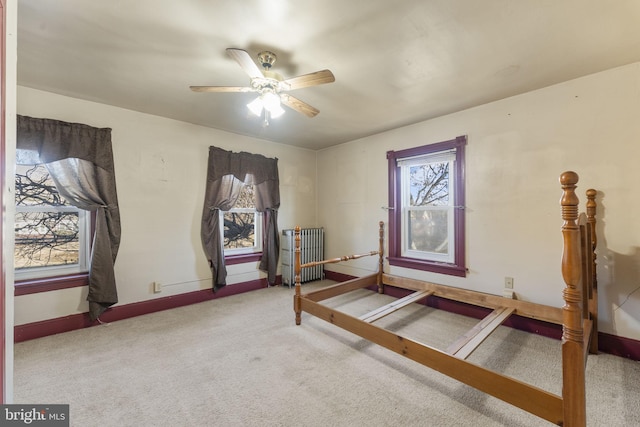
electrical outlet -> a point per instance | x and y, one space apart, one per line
508 282
157 287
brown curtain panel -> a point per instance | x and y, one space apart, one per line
79 159
226 173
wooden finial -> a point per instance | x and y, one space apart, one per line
569 200
569 178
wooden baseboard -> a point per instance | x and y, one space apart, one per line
619 346
338 277
119 312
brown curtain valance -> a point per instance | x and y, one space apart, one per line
247 167
54 140
251 169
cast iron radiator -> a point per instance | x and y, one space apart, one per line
312 249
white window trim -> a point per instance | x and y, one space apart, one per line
405 165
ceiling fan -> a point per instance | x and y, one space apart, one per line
271 86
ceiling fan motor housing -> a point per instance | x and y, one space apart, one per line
267 59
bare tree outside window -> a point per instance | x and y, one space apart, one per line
238 230
46 227
240 222
429 184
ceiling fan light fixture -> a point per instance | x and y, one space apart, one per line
255 106
276 111
269 101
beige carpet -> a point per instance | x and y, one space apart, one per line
242 361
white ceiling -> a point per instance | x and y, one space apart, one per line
395 62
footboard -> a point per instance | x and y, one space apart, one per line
341 288
578 318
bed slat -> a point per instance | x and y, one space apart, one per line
383 311
467 343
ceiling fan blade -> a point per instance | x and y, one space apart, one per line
221 89
245 61
299 106
311 79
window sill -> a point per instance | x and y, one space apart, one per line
434 267
46 284
241 259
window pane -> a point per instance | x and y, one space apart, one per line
428 231
239 230
44 239
429 184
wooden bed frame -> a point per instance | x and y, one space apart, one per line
578 318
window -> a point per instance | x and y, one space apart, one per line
227 172
51 236
242 225
426 197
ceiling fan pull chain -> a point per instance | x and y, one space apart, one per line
266 118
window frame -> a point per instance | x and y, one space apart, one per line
258 231
244 255
396 257
59 276
232 259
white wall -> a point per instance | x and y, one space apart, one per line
517 148
160 169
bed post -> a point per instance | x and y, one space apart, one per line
296 297
593 302
573 377
380 257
